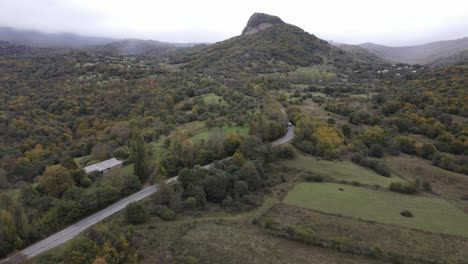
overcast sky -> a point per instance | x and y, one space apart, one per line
394 23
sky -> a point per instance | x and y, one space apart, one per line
392 23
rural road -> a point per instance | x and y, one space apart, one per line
73 230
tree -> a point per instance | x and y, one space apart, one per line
23 228
427 151
164 195
121 153
327 140
100 261
187 153
136 213
69 163
101 151
249 174
169 102
7 227
56 180
138 152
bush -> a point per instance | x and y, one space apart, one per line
376 150
136 213
268 223
427 151
402 187
465 197
121 153
427 186
190 203
406 213
313 178
285 152
165 213
373 164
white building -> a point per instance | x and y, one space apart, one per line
104 166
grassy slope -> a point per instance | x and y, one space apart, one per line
204 134
430 214
366 236
339 170
449 185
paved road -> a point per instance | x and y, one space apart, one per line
289 135
73 230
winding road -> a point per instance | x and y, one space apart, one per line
73 230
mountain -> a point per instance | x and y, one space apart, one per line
268 45
136 47
456 59
40 39
360 53
421 54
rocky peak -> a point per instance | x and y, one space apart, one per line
259 21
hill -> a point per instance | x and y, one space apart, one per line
136 47
40 39
269 45
421 54
456 59
360 53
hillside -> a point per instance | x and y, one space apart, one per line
136 47
360 53
456 59
421 54
269 45
40 39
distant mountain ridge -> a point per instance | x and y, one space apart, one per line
39 39
421 54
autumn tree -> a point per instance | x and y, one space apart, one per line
56 180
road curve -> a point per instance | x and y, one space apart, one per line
73 230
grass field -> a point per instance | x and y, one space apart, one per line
430 214
204 134
339 170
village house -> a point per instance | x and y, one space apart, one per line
104 166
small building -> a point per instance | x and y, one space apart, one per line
104 166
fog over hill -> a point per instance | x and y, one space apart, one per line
420 54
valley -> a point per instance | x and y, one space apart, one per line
286 150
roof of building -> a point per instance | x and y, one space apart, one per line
103 165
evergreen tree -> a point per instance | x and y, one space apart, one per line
140 167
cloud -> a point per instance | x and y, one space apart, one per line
397 22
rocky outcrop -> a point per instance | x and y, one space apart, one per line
259 21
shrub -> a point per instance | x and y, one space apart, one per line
285 152
190 203
121 153
373 164
165 213
427 186
402 187
382 169
136 213
465 197
427 151
268 223
376 150
313 178
406 213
